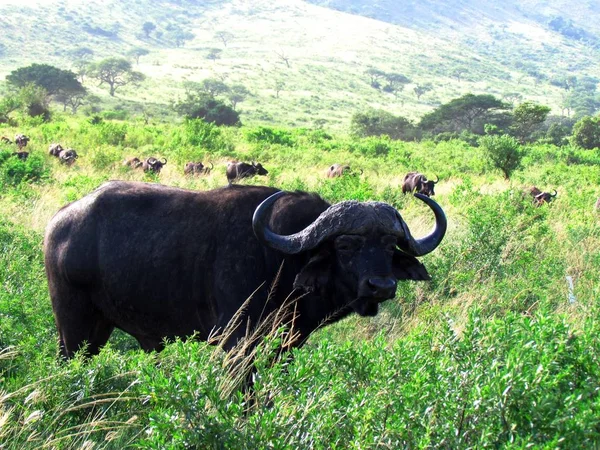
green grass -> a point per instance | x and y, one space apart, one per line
490 353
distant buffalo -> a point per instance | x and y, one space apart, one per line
539 197
55 149
68 156
5 140
21 140
337 170
544 197
417 182
237 170
21 155
133 162
197 168
153 165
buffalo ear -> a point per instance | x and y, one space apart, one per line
315 274
406 267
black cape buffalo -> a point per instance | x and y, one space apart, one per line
153 165
160 262
238 170
417 182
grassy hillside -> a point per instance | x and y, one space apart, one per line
493 352
328 53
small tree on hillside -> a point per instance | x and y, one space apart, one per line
422 89
237 94
214 54
213 87
137 52
504 152
224 37
375 75
395 82
115 72
148 28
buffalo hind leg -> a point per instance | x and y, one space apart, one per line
80 325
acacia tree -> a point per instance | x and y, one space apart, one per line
136 52
422 89
148 27
527 117
224 36
237 94
115 72
50 78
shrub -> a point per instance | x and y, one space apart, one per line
269 135
504 152
15 171
586 133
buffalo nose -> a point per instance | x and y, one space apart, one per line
382 287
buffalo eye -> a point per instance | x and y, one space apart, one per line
348 244
389 243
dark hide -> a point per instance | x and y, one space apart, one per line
238 170
417 182
153 165
21 155
543 197
337 170
5 140
55 149
21 140
196 168
161 262
68 156
133 162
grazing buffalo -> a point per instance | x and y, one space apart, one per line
237 170
544 197
153 165
55 149
160 262
21 155
539 197
197 168
21 140
68 156
133 162
417 182
337 170
5 140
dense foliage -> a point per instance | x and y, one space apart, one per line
494 352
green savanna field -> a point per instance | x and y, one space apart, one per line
492 353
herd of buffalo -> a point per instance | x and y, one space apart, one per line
162 262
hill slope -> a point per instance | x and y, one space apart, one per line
458 48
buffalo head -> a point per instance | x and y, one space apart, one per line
259 169
133 162
153 165
417 182
68 156
544 197
357 250
21 140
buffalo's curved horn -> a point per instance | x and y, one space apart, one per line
165 159
420 247
362 171
437 179
304 240
555 193
212 166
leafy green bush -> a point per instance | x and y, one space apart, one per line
267 135
504 152
586 133
14 171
